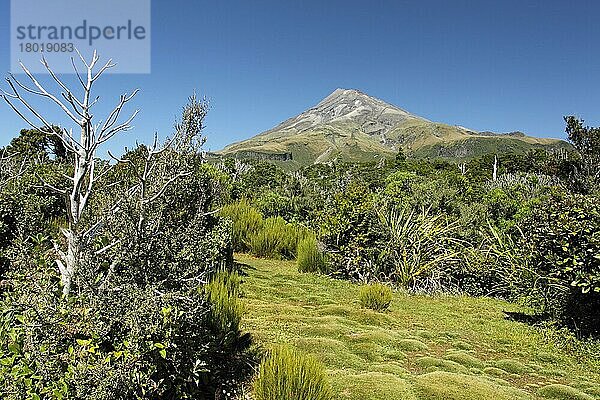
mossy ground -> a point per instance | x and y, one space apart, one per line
444 347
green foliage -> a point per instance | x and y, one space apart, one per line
286 374
273 204
137 323
586 141
141 341
498 267
310 257
36 144
247 222
376 296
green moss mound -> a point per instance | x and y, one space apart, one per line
562 392
512 366
450 386
412 345
466 359
433 364
373 386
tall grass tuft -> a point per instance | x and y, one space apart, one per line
223 293
310 258
375 296
287 375
277 239
247 222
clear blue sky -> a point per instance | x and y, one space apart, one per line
488 65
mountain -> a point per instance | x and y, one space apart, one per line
353 126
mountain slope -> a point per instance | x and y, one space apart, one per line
353 126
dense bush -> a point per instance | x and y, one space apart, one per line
273 204
136 342
138 321
310 257
285 374
375 296
565 237
138 324
351 233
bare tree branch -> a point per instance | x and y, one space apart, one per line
45 93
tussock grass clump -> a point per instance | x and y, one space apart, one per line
286 374
375 296
266 238
277 239
310 258
247 221
222 292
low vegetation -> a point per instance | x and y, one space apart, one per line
423 347
272 237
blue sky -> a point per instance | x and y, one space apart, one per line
487 65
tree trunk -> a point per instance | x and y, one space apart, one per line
69 261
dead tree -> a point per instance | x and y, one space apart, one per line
82 141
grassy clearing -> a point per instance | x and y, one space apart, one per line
444 347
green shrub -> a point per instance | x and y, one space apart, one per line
375 296
135 325
118 344
565 237
247 221
351 233
310 257
287 375
273 204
